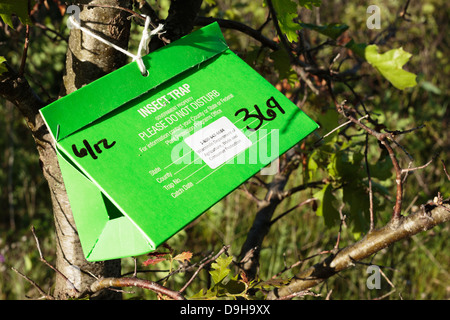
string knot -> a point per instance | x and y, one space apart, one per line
143 44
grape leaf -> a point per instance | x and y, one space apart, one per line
286 13
390 65
326 208
220 269
358 48
16 7
2 66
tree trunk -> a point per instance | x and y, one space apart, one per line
87 60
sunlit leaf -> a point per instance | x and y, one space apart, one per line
220 268
286 13
309 4
2 66
390 65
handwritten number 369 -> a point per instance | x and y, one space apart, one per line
271 114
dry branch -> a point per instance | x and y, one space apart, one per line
374 241
134 282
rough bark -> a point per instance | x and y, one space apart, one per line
87 60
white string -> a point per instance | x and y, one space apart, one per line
143 44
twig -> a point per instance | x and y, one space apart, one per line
299 188
224 248
418 168
299 262
445 170
372 243
299 294
25 51
338 127
404 13
251 196
42 292
41 257
235 25
370 183
134 282
399 132
291 209
385 295
45 28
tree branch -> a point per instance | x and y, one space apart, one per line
15 88
134 282
250 250
374 241
235 25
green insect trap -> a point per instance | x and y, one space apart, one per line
143 156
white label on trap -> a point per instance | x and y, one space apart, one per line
218 142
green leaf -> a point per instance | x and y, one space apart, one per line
220 269
382 169
333 30
203 294
357 48
390 65
312 168
358 201
345 165
286 13
2 66
17 7
282 63
234 287
326 208
308 4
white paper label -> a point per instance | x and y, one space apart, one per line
218 142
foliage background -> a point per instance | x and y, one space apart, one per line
418 268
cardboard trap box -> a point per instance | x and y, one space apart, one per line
142 157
